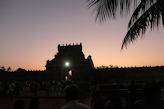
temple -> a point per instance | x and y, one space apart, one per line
70 61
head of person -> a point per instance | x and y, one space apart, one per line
19 104
152 92
34 103
71 92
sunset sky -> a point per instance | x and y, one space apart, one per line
30 31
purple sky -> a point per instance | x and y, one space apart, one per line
30 31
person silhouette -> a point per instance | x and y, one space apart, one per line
34 103
71 96
151 98
19 104
97 102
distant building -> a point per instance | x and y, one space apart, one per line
70 62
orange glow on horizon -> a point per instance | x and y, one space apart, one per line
30 36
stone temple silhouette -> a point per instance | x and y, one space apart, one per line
70 61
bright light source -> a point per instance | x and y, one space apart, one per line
70 73
67 64
66 78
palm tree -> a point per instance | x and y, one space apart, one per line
148 13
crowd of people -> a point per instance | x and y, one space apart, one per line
30 88
20 104
151 98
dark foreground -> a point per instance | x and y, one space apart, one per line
45 102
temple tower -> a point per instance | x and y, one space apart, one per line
70 61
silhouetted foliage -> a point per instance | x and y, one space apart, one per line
8 69
148 13
2 69
20 70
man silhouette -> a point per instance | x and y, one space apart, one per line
19 104
71 98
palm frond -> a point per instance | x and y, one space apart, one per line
163 17
136 13
140 9
148 13
109 8
151 18
162 10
